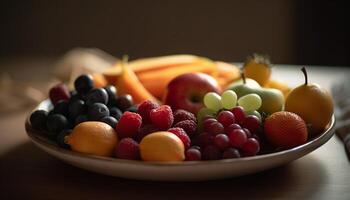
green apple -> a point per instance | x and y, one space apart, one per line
272 99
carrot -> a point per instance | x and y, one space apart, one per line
128 83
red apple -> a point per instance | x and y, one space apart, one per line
187 91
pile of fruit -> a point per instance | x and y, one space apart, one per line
183 107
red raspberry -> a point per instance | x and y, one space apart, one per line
162 117
59 92
181 115
127 148
179 132
189 126
145 130
128 125
144 109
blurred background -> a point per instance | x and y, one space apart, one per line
291 32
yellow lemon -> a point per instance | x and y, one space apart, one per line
96 138
162 146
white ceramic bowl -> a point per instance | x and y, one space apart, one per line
184 171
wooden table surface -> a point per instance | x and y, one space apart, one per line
29 173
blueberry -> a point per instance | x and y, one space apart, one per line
84 83
74 96
115 112
110 121
97 111
112 92
97 95
61 138
80 119
124 102
56 123
38 119
61 108
76 108
132 109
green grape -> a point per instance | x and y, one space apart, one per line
229 99
204 112
250 102
254 112
212 101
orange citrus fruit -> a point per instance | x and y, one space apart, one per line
285 129
312 103
257 68
162 146
96 138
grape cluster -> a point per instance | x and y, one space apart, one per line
85 103
227 130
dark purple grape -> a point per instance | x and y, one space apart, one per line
112 92
231 153
80 119
216 128
110 121
205 139
83 84
61 107
207 123
193 154
226 118
115 112
56 123
38 119
211 152
97 95
76 108
251 147
247 132
97 111
239 114
196 147
237 138
252 123
221 141
232 127
132 109
124 102
61 138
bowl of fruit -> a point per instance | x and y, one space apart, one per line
182 118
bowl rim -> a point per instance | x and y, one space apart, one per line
37 137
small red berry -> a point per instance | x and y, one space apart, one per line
189 126
145 130
179 132
181 115
144 109
162 117
128 125
128 148
59 92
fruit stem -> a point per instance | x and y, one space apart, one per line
305 75
243 77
